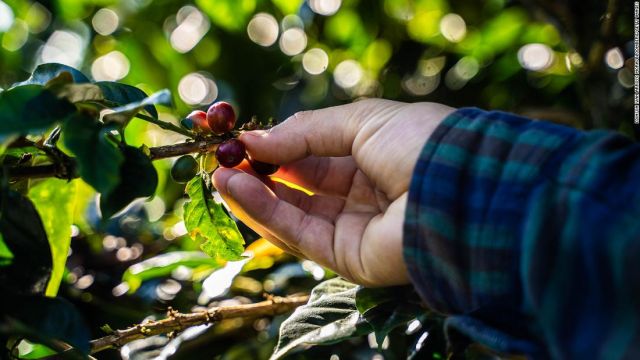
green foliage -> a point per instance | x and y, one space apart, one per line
46 319
163 265
329 316
26 238
137 178
207 223
122 94
54 199
6 256
124 113
44 73
388 308
230 15
98 158
29 108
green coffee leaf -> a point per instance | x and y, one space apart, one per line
387 308
122 94
162 265
54 200
207 222
138 178
46 72
75 93
30 108
98 158
329 316
124 113
25 237
36 351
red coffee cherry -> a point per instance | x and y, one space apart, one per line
230 153
199 120
221 118
263 168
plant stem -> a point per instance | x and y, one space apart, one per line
165 125
155 153
176 321
201 146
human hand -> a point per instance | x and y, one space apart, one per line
357 159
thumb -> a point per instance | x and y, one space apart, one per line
324 132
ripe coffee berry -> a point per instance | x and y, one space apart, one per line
221 118
199 120
184 169
230 153
263 168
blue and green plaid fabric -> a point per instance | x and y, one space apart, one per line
526 234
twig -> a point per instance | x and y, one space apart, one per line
201 146
165 125
179 321
155 153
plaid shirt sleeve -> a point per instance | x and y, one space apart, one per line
526 235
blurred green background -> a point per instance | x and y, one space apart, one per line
555 60
273 57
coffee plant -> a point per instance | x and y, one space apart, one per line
61 132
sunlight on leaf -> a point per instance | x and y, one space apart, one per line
124 113
54 200
329 316
207 222
163 265
6 256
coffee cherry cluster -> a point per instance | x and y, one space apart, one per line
219 120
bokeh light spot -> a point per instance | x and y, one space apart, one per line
16 36
291 21
325 7
38 18
197 89
614 58
453 27
6 17
466 68
263 29
105 21
110 67
348 74
64 47
535 57
192 26
293 41
315 61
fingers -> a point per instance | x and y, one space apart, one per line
325 132
317 205
330 176
254 202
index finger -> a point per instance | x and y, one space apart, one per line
325 132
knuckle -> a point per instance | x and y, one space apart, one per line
302 116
